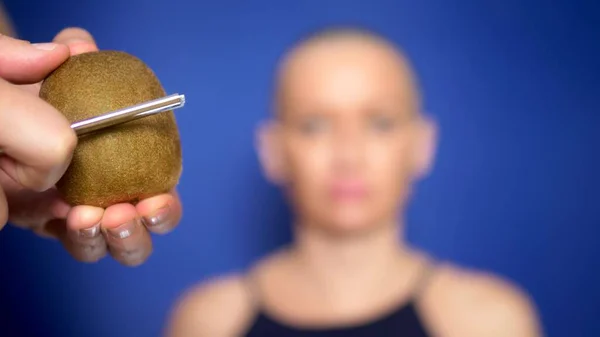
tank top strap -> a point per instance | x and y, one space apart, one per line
253 289
423 279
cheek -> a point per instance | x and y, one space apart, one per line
388 168
308 169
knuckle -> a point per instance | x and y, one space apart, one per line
133 258
85 258
89 253
133 263
93 259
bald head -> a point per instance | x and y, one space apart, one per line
343 62
347 121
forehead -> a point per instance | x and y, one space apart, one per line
346 74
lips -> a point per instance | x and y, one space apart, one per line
348 191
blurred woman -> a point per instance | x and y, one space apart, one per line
346 142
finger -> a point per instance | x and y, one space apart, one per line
84 241
128 240
162 213
3 209
77 39
36 137
29 209
6 24
22 62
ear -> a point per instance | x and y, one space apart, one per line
425 146
270 152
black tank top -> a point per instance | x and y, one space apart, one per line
401 322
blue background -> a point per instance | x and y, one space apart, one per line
514 85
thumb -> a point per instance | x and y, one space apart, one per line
22 62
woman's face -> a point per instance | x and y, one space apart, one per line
347 136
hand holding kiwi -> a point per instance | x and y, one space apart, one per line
123 163
119 183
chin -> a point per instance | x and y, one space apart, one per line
349 223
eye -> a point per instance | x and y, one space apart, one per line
313 125
382 123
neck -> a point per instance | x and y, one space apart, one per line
320 250
343 264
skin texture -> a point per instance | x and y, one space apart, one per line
39 153
346 142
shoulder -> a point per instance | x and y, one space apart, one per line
222 306
476 303
218 307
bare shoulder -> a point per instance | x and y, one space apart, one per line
222 307
219 307
467 303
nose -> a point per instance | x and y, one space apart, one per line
349 147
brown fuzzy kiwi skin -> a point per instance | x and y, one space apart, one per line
123 163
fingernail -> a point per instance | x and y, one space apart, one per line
123 231
160 218
91 232
45 46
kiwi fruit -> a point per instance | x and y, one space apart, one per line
123 163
